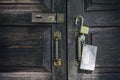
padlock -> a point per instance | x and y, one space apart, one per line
84 30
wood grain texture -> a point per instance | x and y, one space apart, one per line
104 33
25 76
21 1
24 46
23 7
97 5
106 1
30 45
100 77
108 42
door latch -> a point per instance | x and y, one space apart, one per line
48 17
86 54
57 59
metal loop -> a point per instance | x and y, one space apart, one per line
78 19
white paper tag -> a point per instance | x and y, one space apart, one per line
88 57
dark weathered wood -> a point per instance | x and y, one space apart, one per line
24 46
100 77
28 47
60 72
103 19
106 2
23 69
26 76
21 1
107 70
97 5
23 7
109 47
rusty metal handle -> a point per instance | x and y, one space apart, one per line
57 60
56 49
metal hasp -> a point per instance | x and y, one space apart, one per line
57 59
48 17
78 21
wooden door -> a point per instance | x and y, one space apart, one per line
27 48
103 18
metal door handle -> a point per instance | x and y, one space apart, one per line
57 59
56 49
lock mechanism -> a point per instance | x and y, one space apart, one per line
86 53
57 59
81 32
48 17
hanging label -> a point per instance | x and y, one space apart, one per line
84 30
88 57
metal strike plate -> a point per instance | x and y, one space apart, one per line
48 17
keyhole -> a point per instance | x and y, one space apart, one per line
38 16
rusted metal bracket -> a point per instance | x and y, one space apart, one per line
48 17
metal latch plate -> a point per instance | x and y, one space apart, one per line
48 17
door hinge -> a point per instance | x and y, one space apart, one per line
48 17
